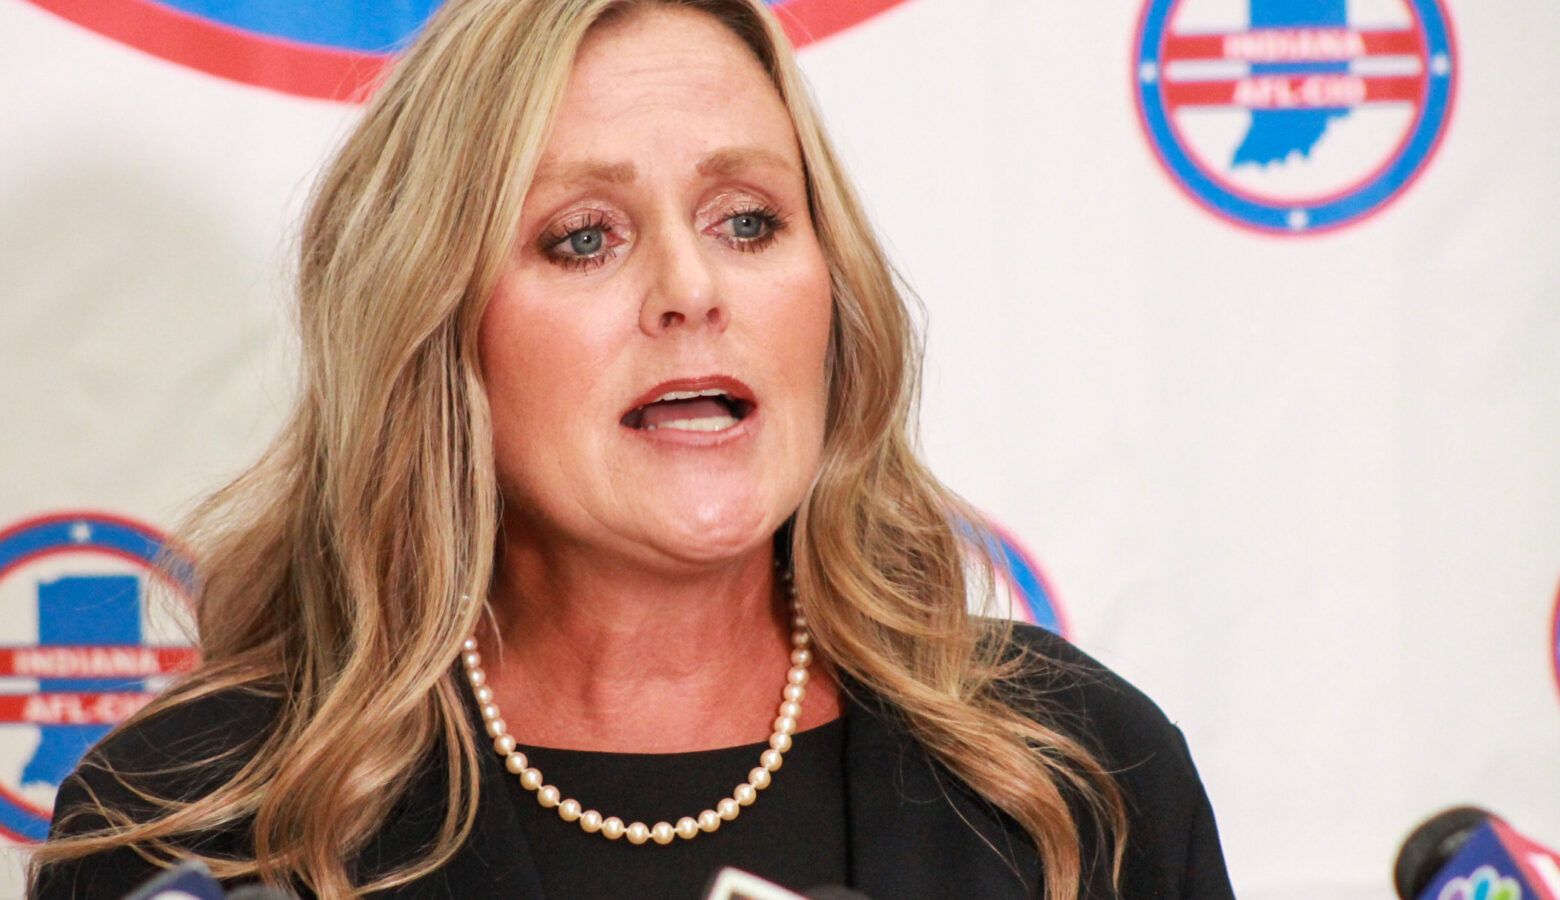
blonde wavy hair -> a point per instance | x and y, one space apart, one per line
339 566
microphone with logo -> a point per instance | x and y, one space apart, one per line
1467 853
193 881
734 884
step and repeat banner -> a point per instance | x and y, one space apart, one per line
1243 325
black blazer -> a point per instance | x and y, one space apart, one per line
915 831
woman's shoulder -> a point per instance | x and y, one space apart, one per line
182 749
1173 847
1072 689
183 741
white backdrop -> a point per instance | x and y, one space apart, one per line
1301 488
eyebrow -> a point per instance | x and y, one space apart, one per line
587 171
727 161
735 159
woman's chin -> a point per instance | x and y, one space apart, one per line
710 533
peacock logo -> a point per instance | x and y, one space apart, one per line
1484 884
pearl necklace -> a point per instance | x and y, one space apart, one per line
688 827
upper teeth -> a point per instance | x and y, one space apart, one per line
689 395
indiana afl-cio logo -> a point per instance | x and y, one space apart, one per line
80 650
1294 116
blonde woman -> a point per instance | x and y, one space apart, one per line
595 555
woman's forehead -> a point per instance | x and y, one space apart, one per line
668 78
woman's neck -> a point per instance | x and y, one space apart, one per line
597 655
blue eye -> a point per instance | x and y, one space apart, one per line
580 245
587 241
751 230
747 226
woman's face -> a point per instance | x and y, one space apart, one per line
654 354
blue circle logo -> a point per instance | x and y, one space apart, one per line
332 49
80 649
1028 594
1035 599
1294 116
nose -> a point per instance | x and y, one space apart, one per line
684 292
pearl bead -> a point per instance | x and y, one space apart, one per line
799 621
612 828
797 676
548 796
590 820
794 692
504 744
469 644
516 763
477 677
771 759
745 794
638 833
791 710
759 778
490 712
484 695
662 832
688 827
728 808
785 725
569 810
496 727
709 820
530 779
800 638
800 657
780 742
471 658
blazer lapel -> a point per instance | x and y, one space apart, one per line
915 831
494 862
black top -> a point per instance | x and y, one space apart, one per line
912 829
794 835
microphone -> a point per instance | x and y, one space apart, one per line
191 880
731 883
1466 853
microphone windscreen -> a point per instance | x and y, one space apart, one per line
1431 846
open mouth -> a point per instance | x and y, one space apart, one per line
711 409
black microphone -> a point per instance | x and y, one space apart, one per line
1428 848
1469 852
